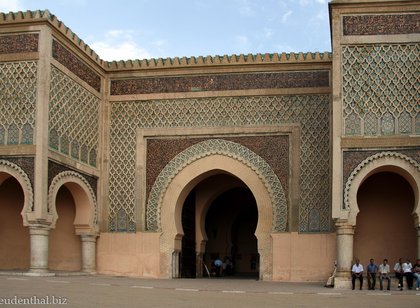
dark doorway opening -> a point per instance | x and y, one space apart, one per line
230 225
188 255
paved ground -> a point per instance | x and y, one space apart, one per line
105 291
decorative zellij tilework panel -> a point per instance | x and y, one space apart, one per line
18 82
74 64
310 111
73 119
381 24
381 86
19 43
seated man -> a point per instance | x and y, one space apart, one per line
384 274
408 274
357 273
372 269
398 270
416 273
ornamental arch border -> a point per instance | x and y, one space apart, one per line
24 181
225 148
86 220
395 162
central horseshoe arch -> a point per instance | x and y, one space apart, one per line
255 173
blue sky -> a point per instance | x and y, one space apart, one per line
138 29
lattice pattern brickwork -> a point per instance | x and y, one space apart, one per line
73 119
310 111
18 81
381 86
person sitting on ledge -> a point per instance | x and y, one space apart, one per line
357 273
384 274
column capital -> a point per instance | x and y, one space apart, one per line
88 237
38 229
344 227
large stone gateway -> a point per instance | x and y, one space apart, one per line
154 168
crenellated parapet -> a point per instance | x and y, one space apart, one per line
267 58
46 16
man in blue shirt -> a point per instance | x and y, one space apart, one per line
372 269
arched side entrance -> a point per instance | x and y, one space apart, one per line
64 253
8 169
385 161
72 200
14 237
392 162
384 225
16 200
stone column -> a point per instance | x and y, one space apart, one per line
175 264
418 242
39 250
345 233
88 253
199 265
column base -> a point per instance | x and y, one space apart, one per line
342 283
39 273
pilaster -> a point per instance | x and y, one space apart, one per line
345 237
88 253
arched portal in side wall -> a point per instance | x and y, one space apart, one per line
73 205
16 199
385 224
382 199
14 237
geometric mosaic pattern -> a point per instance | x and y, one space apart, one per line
73 119
310 111
17 102
221 147
381 86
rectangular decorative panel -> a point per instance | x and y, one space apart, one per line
381 24
221 82
75 65
18 82
19 43
73 119
381 86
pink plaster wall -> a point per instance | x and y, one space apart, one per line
303 257
14 237
128 254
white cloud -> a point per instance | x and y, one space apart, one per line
286 16
245 8
7 6
119 45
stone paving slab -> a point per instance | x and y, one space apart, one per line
113 291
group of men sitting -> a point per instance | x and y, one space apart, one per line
401 270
